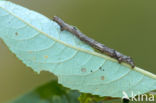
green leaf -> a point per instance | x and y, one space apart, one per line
51 92
41 45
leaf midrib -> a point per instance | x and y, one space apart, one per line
61 42
80 49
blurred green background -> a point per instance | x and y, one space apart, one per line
128 26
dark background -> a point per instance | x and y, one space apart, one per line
128 26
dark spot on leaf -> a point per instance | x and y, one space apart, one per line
91 71
100 68
102 77
83 70
16 33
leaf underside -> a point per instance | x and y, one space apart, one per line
41 45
